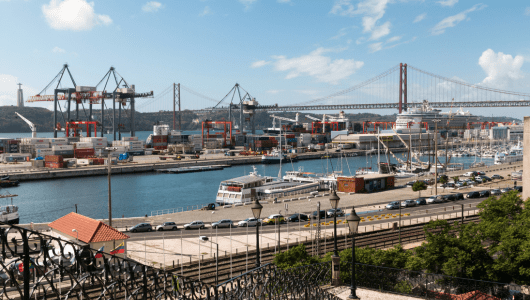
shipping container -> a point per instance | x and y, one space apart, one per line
62 147
53 158
129 138
54 165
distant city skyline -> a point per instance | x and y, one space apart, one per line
284 51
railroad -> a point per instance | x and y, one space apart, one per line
240 263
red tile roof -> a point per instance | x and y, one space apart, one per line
90 230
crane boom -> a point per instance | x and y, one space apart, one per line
31 125
296 120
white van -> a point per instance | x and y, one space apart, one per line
468 174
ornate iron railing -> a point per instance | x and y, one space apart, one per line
38 266
270 282
434 286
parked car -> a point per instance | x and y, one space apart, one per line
142 227
519 188
485 193
408 203
194 225
251 222
274 219
393 205
448 185
434 199
449 197
421 201
473 195
470 173
167 226
331 212
495 192
410 183
459 196
486 177
321 215
226 223
506 190
481 173
459 184
497 176
298 218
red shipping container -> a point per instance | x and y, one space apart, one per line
83 153
160 147
54 165
13 142
53 158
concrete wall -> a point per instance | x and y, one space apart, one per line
526 159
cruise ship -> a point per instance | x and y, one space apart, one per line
426 114
254 186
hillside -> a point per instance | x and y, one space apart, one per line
43 119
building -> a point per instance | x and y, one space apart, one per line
20 96
89 232
368 141
365 183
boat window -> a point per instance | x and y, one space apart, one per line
219 194
238 196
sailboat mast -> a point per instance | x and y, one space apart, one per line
281 153
378 153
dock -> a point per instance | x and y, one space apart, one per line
193 169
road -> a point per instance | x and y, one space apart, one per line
421 211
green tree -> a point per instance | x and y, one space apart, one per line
505 227
443 181
419 186
452 249
456 179
296 256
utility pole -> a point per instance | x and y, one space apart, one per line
110 198
317 234
436 155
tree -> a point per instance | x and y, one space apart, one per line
456 179
419 186
295 257
443 181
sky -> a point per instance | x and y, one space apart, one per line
280 51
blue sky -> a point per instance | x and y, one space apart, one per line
279 51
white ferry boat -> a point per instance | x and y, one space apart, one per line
254 186
515 154
9 213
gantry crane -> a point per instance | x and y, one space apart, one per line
295 120
31 125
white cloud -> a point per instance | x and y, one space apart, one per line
420 18
152 6
274 92
342 32
527 11
502 70
8 90
247 3
74 15
370 10
375 47
307 92
207 11
58 50
449 3
320 67
259 64
394 39
380 31
452 21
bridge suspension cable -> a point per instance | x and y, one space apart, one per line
353 88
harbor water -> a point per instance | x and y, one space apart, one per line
136 195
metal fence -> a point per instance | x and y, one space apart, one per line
270 282
433 286
37 266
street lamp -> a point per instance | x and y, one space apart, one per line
334 200
77 233
256 211
353 223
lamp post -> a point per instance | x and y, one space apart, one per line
353 223
334 200
256 211
77 233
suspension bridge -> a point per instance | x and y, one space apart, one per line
400 87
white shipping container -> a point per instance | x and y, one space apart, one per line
133 143
62 147
41 146
117 143
44 151
99 145
121 149
84 161
32 141
129 138
83 145
59 140
58 144
93 139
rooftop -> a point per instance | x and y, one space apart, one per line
88 230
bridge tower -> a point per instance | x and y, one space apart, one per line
402 87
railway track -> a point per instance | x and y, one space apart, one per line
243 261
